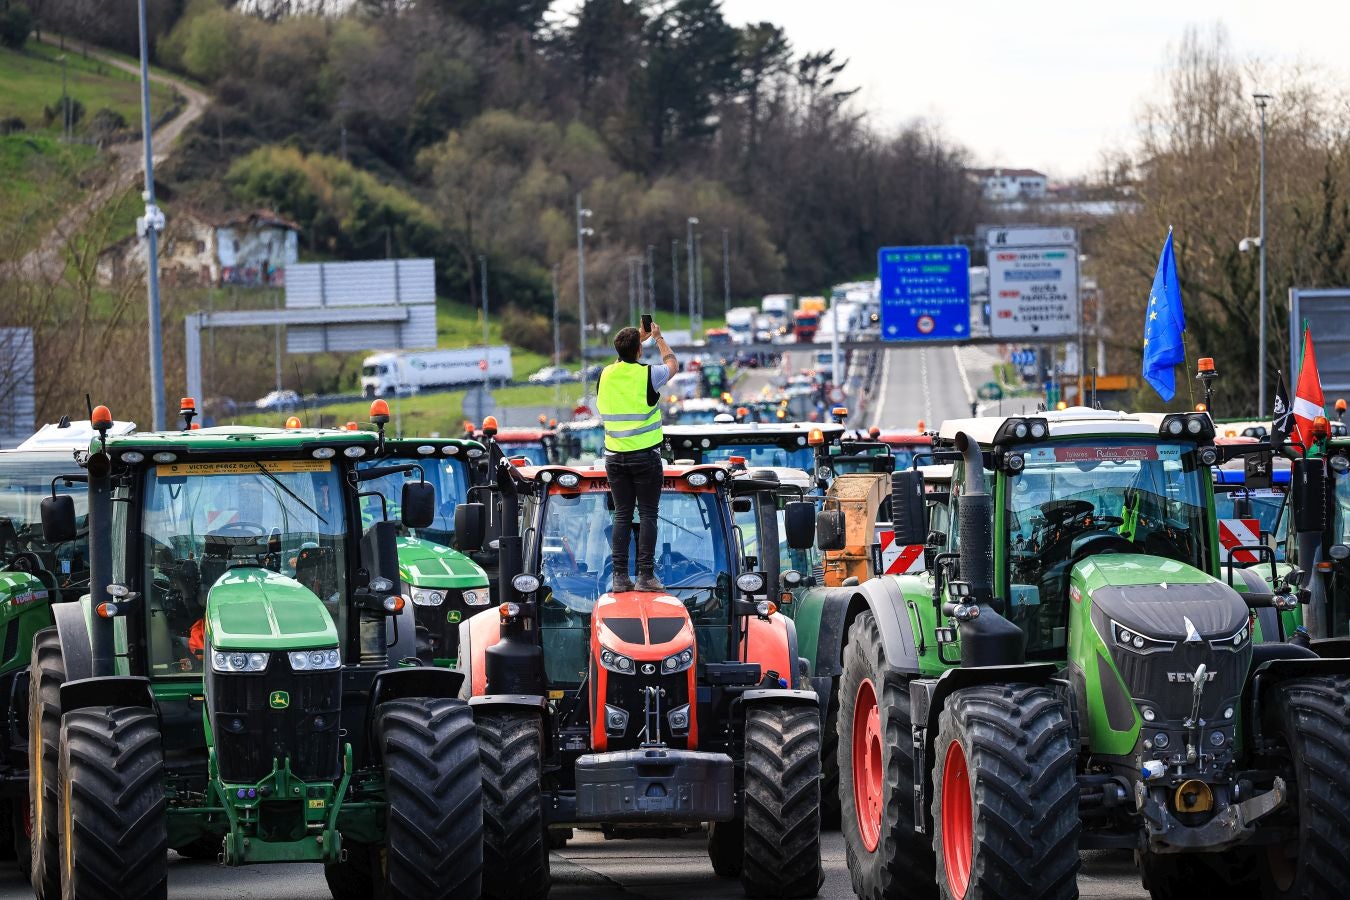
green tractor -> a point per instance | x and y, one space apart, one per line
225 689
1318 542
1075 670
445 586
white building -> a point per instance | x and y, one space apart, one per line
1009 184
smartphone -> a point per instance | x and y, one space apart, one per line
646 322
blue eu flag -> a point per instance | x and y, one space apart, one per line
1163 348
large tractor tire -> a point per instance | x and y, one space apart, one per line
45 677
1312 718
1005 795
887 858
726 847
434 847
782 801
114 839
515 843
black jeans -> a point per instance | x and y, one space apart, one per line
635 480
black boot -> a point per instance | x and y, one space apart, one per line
622 583
648 582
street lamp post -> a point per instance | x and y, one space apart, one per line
697 312
1261 101
582 232
675 276
651 278
726 272
149 226
557 349
689 246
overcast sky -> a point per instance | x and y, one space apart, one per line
1042 84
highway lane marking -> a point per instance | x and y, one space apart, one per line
965 379
885 383
927 393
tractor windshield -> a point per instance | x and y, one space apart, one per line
25 478
1265 505
1074 500
575 561
765 456
533 451
1342 525
200 520
446 475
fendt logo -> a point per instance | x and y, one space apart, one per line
1183 677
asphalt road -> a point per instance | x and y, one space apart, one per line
590 867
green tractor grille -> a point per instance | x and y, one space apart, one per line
276 714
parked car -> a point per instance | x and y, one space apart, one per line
279 401
552 375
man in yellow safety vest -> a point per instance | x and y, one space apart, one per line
628 400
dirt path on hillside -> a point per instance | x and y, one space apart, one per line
48 260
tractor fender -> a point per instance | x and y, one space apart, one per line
1275 671
886 601
531 702
772 643
73 629
414 681
781 695
108 690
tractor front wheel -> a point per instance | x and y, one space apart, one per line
45 677
434 837
515 842
1311 716
886 856
782 801
113 834
1005 795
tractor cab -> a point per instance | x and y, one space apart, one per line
242 627
579 442
905 446
444 585
641 702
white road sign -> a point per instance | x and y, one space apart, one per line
1033 282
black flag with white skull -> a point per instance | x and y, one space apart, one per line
1282 417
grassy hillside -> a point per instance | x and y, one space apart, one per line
30 81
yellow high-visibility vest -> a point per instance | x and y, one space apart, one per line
631 423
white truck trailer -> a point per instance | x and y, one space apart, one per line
406 372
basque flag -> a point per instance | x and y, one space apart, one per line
1308 400
1163 348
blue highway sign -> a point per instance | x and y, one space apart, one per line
925 293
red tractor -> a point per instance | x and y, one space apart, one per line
657 710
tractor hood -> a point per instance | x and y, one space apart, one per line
20 591
642 626
1161 598
258 609
424 564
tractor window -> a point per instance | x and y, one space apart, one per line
25 478
1264 505
1342 523
1073 501
446 475
202 519
576 564
765 456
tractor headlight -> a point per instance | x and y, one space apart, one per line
476 598
616 662
1234 641
525 583
677 662
224 661
679 719
354 452
750 583
1129 639
568 480
696 479
423 597
314 660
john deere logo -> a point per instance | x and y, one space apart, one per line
452 616
279 700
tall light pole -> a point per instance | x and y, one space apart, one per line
149 226
582 232
726 272
675 276
697 308
487 379
689 245
557 348
1262 409
651 278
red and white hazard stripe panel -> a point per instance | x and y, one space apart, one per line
1235 533
899 559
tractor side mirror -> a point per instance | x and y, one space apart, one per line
1256 470
418 504
58 518
909 514
742 505
830 529
799 521
1309 482
470 526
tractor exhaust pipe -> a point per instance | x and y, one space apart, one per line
987 639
